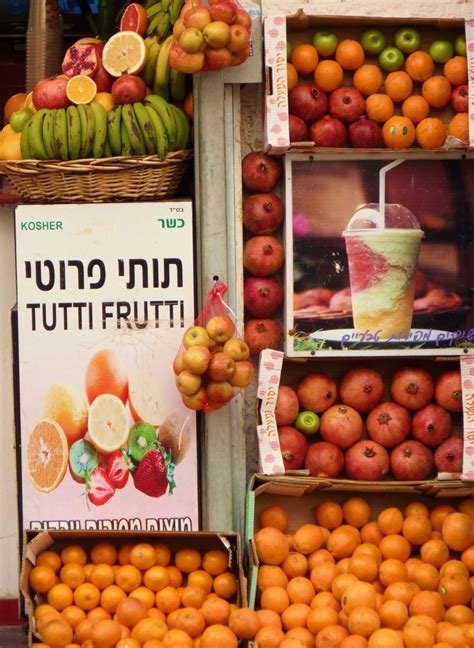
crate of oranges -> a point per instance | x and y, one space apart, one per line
339 82
343 571
130 589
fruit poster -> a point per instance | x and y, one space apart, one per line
379 255
104 294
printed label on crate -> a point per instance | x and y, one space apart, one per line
276 126
467 377
470 70
269 371
104 294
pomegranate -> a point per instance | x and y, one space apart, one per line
262 334
411 461
389 424
298 129
361 388
50 93
263 213
347 104
263 255
308 102
128 89
103 80
341 425
260 173
328 132
412 387
431 425
448 457
316 392
367 461
80 59
324 460
287 406
263 296
448 390
293 447
365 133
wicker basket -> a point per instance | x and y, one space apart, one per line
98 180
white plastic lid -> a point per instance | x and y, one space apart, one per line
369 217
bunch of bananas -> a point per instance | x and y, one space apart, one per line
158 74
84 131
162 15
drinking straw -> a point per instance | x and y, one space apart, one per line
382 173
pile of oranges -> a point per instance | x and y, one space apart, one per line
402 101
136 595
401 580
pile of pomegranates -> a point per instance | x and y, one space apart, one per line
263 257
353 429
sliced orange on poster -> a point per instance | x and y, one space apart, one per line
47 455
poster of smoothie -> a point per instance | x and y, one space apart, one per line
104 295
379 255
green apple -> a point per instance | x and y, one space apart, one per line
20 118
460 45
325 43
441 51
373 41
288 50
307 422
391 59
407 39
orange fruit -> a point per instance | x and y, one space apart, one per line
468 629
46 618
417 637
244 623
57 632
395 546
307 538
435 552
188 105
124 52
295 616
74 554
98 614
43 608
321 617
128 577
416 508
398 85
368 79
400 591
364 566
419 66
363 621
105 634
135 19
218 636
177 639
467 558
415 108
123 555
455 590
328 75
467 506
343 541
379 107
319 556
273 516
417 528
349 54
104 553
269 636
14 103
149 628
326 599
163 554
370 533
271 575
426 576
386 638
217 610
225 585
175 576
423 620
133 643
437 91
47 455
156 578
301 635
390 521
356 511
87 596
191 621
331 637
111 597
292 81
216 561
392 571
371 549
143 556
145 595
459 127
295 564
459 614
49 559
354 641
304 58
81 89
455 70
300 590
72 575
450 634
430 133
42 578
83 632
60 596
102 576
323 575
398 132
393 614
358 594
268 617
329 515
192 596
428 603
105 374
187 560
343 565
438 515
168 600
412 565
271 545
341 583
274 598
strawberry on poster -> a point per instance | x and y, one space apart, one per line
104 293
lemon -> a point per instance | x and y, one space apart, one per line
10 145
105 99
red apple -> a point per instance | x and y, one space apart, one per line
220 391
128 89
237 58
328 132
263 255
298 129
188 383
316 392
220 328
217 58
341 425
308 102
262 334
389 424
412 387
221 367
293 447
182 61
365 133
196 359
243 375
178 364
238 39
367 461
196 401
260 173
448 390
198 17
216 34
448 457
263 296
263 213
50 93
460 97
411 461
191 40
223 10
242 18
431 425
324 460
287 406
347 104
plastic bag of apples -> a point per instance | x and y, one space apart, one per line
210 35
212 364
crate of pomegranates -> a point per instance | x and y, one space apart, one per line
339 82
400 425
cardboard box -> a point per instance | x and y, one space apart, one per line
298 28
291 374
300 500
34 542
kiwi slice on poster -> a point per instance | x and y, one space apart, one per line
141 439
83 458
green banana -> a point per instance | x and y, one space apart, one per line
160 132
35 135
149 3
162 72
100 130
177 85
163 26
86 117
48 134
24 143
133 130
154 9
113 130
108 152
126 146
73 132
165 4
182 128
146 127
60 135
148 73
175 10
161 107
152 25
